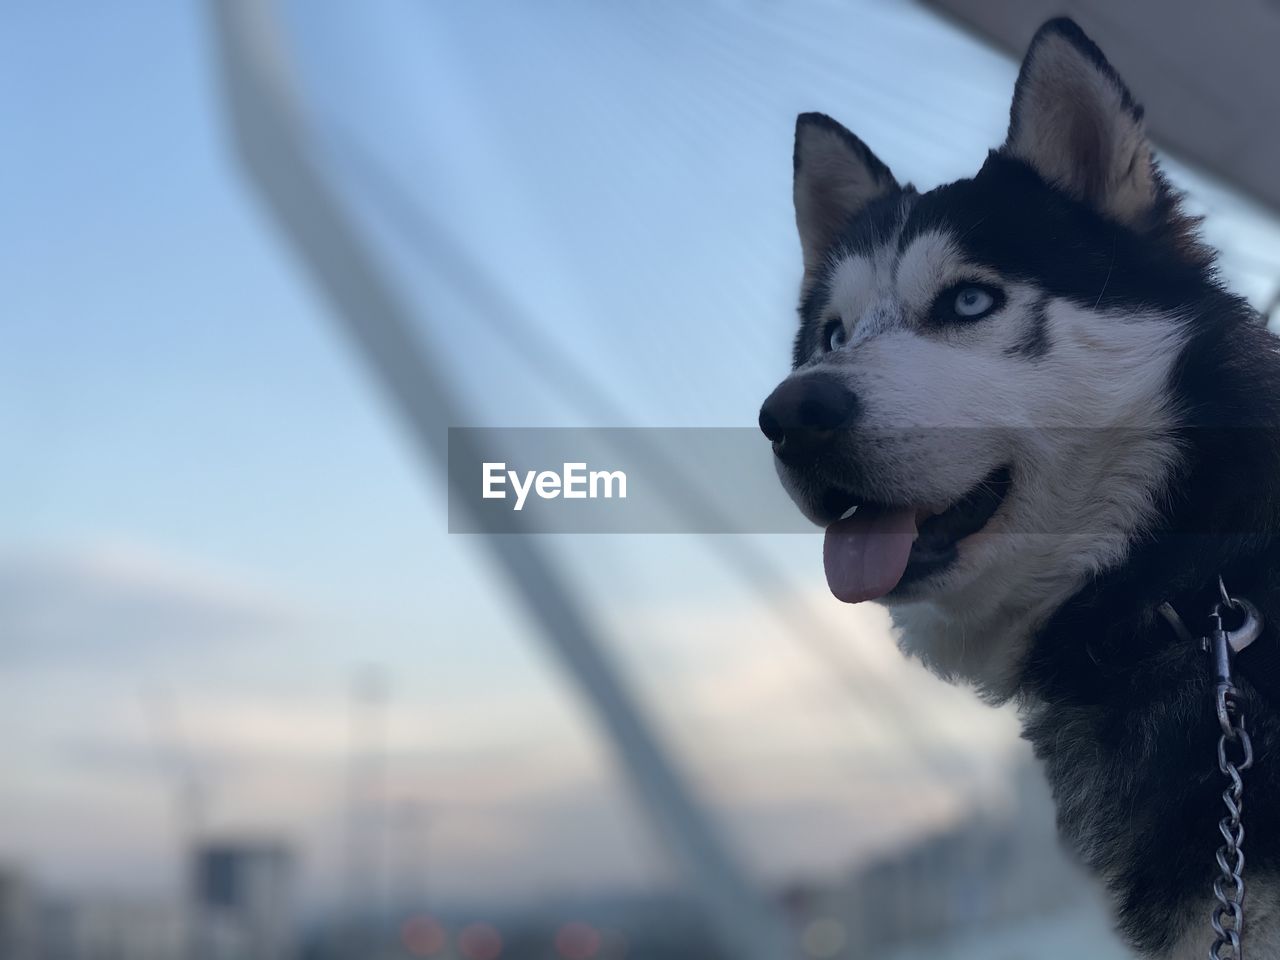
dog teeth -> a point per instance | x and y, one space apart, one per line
849 513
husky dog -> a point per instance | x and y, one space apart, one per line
1052 419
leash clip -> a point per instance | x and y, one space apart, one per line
1249 629
1224 644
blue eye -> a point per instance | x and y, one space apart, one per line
836 335
973 302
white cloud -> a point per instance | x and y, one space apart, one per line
110 606
521 793
817 769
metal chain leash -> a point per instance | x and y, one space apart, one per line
1227 919
1235 756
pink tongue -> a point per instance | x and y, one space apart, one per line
865 556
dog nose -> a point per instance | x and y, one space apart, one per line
802 414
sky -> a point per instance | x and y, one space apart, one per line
211 520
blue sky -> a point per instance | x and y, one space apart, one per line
206 495
164 366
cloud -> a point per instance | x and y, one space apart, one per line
805 772
104 606
816 767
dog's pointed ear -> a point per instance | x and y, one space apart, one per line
1074 121
835 177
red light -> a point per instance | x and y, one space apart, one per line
577 941
423 936
480 942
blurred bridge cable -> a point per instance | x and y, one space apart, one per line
278 156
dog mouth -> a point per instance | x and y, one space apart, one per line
875 549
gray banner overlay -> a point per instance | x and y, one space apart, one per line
723 480
616 480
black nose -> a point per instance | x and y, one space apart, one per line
802 415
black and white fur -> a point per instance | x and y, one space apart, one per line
1111 319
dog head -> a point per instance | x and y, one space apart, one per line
983 370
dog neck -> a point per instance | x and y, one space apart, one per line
1120 708
1219 516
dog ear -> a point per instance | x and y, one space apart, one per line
1074 121
835 177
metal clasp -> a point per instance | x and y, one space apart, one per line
1227 643
1248 630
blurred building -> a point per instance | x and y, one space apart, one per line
243 902
17 916
109 928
